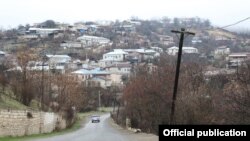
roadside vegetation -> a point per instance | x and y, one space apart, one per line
220 99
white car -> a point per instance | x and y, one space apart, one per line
95 118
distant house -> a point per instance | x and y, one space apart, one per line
93 40
110 58
29 36
118 72
221 51
158 49
210 73
148 53
116 55
166 40
58 62
85 74
174 50
236 59
74 65
2 54
70 44
196 40
142 54
119 68
43 32
99 81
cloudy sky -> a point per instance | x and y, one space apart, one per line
220 12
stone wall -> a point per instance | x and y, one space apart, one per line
20 123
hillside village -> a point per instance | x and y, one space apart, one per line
86 65
103 53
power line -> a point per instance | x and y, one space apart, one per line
236 23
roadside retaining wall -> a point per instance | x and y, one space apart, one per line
22 122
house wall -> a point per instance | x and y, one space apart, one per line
17 122
115 57
71 45
116 78
174 51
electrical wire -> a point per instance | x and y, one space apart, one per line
236 23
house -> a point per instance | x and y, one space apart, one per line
158 49
116 55
148 54
43 32
196 40
99 81
93 77
216 71
118 72
221 51
119 68
58 62
93 40
141 54
166 40
70 44
29 36
236 59
110 58
134 57
106 62
174 50
74 64
2 54
85 74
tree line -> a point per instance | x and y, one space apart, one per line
220 99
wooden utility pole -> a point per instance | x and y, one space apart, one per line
99 99
42 83
182 32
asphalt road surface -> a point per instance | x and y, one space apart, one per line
105 130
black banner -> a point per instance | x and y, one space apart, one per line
203 132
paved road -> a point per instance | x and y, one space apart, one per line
106 130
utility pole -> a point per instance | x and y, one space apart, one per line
99 97
42 83
182 32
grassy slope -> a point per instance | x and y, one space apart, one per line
9 103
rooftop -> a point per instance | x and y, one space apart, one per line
117 51
58 56
95 71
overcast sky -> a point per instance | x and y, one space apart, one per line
220 12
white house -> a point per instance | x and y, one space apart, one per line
196 40
99 81
166 40
70 44
116 55
148 53
43 32
174 50
143 54
93 40
52 62
2 53
58 62
85 74
221 51
236 59
158 49
119 68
